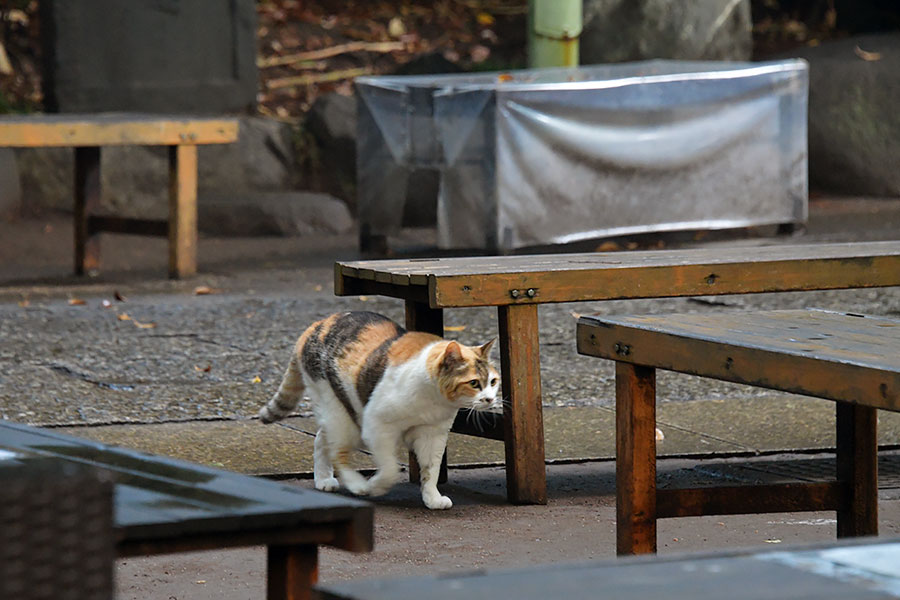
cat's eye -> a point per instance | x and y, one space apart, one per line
475 384
493 382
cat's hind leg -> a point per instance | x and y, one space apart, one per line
428 443
323 471
382 442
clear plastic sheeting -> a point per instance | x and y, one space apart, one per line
553 156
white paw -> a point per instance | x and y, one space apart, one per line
438 502
360 488
330 484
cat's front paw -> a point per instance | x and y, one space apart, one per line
330 484
359 488
437 502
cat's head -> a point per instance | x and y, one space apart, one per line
466 376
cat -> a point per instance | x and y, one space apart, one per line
371 381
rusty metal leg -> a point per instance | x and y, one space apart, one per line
635 459
292 571
87 199
857 468
520 363
182 210
421 317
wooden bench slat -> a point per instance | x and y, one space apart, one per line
113 129
818 353
491 281
749 499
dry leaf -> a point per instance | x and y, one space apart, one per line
485 19
143 325
576 315
660 436
455 328
76 302
608 246
504 77
318 288
203 290
205 369
118 296
201 581
867 56
256 380
123 317
363 298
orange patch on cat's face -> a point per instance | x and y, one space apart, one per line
455 377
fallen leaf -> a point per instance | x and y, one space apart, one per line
867 56
660 436
118 296
143 325
203 290
504 77
123 317
576 315
318 288
205 369
455 328
363 298
608 246
76 302
396 28
485 19
256 380
201 581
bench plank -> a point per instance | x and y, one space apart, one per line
818 353
489 281
113 129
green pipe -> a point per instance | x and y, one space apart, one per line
553 30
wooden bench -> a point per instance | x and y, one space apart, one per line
517 285
863 571
851 359
87 134
164 506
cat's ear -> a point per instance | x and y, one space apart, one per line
452 355
485 349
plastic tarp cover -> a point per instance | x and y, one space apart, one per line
553 156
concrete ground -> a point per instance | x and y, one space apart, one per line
181 367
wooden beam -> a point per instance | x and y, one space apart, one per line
182 210
87 200
520 366
749 499
635 459
127 225
39 131
292 572
857 468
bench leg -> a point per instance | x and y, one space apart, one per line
182 210
292 571
421 317
87 199
520 365
635 459
857 468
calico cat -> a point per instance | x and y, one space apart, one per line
371 381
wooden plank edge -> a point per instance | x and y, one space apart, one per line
750 499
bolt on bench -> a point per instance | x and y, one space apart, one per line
516 285
87 134
849 358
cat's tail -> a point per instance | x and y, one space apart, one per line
288 395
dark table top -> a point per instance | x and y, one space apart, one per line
162 498
840 572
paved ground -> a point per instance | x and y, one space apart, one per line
132 358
